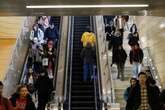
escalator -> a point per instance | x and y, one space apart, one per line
23 79
82 94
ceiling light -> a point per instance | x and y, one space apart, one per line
90 6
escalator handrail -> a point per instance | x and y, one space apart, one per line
68 60
57 51
98 64
23 75
152 67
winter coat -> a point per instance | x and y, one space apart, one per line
88 55
40 35
88 37
116 41
136 56
29 106
126 93
162 100
51 34
119 56
133 40
134 99
5 104
44 87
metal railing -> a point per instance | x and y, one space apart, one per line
97 83
68 63
149 63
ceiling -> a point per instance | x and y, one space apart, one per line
18 7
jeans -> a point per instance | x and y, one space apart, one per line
87 71
136 68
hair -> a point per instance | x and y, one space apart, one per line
133 79
133 26
88 29
20 87
142 73
150 80
1 84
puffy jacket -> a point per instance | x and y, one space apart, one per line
88 37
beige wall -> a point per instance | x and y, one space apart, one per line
152 34
10 26
9 29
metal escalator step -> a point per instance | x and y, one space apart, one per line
82 108
83 104
82 98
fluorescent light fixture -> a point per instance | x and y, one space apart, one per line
90 6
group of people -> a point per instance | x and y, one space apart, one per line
114 30
41 59
143 94
38 83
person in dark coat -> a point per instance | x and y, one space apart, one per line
162 100
143 96
136 58
51 33
133 36
88 56
133 82
21 100
44 87
119 59
116 41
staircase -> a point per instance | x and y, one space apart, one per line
119 85
82 93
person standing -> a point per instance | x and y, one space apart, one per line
119 59
21 100
133 82
5 104
136 58
44 87
88 56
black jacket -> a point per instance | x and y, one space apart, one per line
29 106
134 99
133 40
136 56
51 34
44 86
88 55
119 56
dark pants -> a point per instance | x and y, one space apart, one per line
42 101
120 68
88 69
